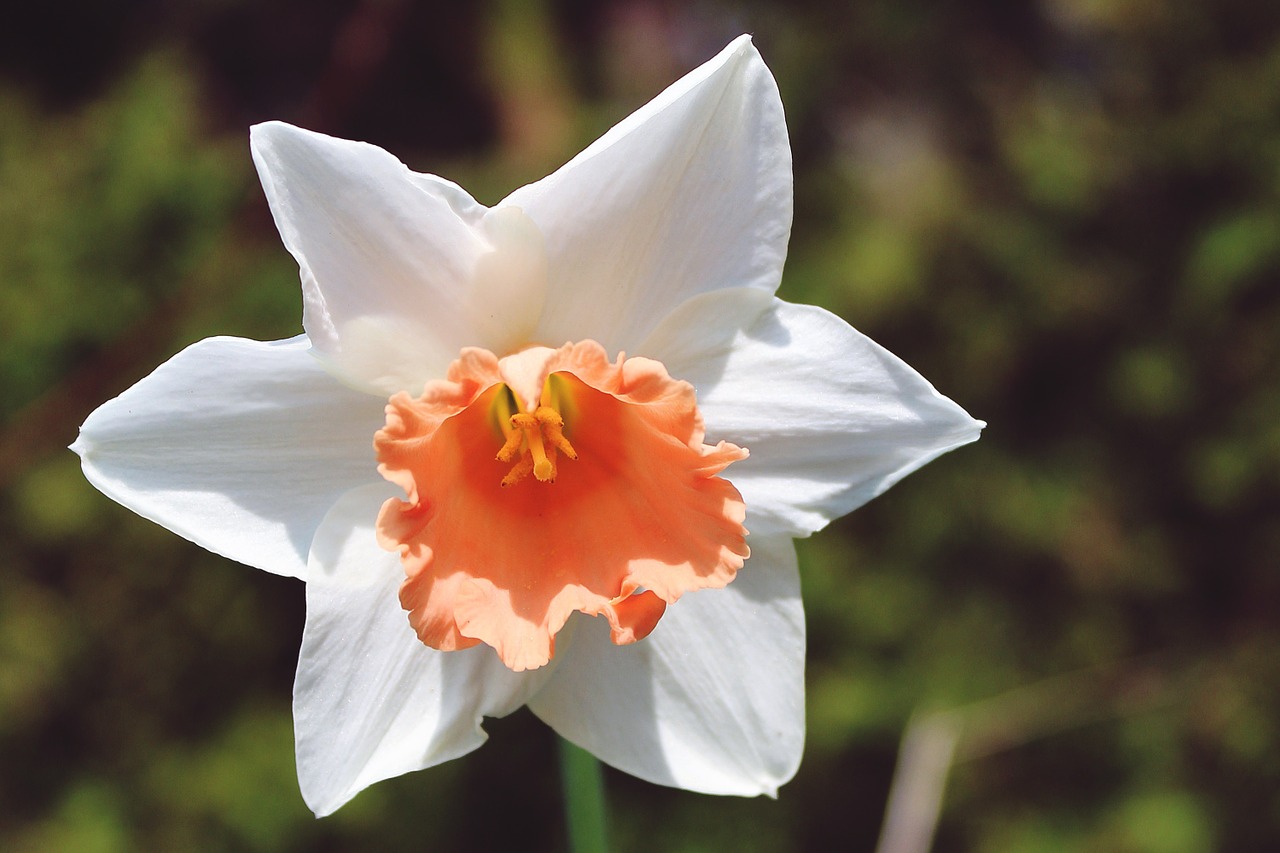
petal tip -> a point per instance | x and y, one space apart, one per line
265 132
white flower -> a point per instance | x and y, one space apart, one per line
664 239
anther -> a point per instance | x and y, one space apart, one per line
519 471
510 450
553 430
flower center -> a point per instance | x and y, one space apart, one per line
532 439
638 516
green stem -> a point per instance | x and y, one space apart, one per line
583 782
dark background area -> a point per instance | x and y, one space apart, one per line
1065 214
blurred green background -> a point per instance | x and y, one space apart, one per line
1066 214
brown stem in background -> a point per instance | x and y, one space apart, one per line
933 741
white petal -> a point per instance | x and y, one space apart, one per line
240 446
831 418
692 193
700 334
458 199
388 259
371 701
510 283
711 701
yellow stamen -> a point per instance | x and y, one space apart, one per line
544 464
510 450
518 471
553 430
531 441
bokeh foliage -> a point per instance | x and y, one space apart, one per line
1066 214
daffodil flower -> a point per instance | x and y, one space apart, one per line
501 422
